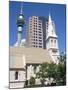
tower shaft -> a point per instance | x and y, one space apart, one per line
20 24
19 35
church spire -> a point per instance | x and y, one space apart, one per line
52 40
50 20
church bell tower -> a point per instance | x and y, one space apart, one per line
52 40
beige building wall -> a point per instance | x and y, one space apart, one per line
20 57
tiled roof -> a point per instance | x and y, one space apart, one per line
31 56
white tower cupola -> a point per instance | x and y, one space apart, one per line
52 40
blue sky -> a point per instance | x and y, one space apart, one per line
58 14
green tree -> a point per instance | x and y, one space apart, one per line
61 70
52 70
42 74
32 81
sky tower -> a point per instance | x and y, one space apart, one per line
20 24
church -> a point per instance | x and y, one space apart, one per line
25 60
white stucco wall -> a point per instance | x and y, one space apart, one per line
19 83
21 76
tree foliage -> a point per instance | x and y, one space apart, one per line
32 81
61 70
55 71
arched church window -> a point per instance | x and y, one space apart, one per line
51 42
16 75
55 42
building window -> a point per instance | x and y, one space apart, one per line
16 75
54 51
39 29
40 40
36 34
40 32
34 26
36 37
51 41
36 31
40 46
36 46
36 40
39 26
40 37
54 41
33 45
39 21
40 43
33 42
35 20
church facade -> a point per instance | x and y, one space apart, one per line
25 63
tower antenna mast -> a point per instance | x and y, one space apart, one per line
21 8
